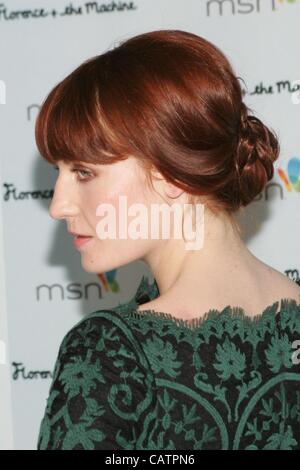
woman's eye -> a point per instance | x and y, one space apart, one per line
83 175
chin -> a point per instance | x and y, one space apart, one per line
91 266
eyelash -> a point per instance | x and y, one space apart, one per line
78 170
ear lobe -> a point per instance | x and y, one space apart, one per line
170 190
173 191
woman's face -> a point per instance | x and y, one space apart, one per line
80 195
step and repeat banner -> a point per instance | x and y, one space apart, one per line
44 290
6 438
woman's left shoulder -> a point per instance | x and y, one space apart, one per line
96 327
279 285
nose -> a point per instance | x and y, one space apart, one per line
63 204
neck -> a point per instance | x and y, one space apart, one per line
182 273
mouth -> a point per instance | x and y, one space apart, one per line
80 240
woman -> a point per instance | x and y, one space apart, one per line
203 358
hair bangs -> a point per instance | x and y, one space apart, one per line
72 125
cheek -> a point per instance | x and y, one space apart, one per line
120 195
125 195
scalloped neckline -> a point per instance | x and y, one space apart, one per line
213 314
151 292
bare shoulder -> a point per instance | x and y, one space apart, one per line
280 285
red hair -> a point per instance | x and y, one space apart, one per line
171 99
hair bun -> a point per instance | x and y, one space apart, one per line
193 126
257 150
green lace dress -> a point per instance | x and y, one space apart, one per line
131 380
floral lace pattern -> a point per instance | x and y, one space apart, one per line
130 380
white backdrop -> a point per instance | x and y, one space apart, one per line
6 436
44 290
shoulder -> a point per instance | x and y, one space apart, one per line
98 361
102 332
277 284
283 286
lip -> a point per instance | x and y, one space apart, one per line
77 234
80 240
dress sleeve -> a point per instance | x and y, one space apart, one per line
101 389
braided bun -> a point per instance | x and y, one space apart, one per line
257 150
171 99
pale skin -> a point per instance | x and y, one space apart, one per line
224 272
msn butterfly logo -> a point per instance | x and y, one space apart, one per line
108 281
291 177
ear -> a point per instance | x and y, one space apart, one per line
169 189
172 191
